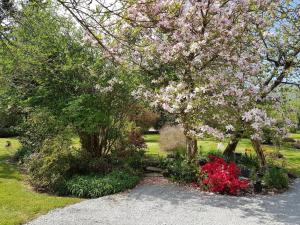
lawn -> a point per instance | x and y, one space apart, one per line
292 155
18 203
295 135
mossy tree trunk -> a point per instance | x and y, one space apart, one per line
259 152
235 138
231 147
191 148
90 144
96 144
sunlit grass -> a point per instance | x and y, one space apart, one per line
295 135
18 202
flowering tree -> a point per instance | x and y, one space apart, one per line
203 59
279 49
195 53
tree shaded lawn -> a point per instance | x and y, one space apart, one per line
18 203
292 155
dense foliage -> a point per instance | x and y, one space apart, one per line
49 168
179 169
54 75
66 88
276 177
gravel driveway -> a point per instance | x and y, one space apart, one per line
168 204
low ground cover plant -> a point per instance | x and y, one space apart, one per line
93 186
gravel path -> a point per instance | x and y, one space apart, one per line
168 204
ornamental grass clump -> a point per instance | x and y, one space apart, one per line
221 177
172 139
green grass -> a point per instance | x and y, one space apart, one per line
18 203
295 135
153 145
292 155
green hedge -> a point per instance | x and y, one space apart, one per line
93 186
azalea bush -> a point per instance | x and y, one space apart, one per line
219 176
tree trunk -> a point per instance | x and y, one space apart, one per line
90 144
230 148
191 148
259 152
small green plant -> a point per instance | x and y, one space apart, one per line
93 186
276 177
135 159
179 169
249 161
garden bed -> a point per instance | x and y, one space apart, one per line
240 175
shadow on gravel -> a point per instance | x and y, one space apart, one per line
284 208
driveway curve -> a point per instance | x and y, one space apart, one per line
169 204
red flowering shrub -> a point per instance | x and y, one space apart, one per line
137 140
222 177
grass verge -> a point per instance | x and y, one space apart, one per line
18 203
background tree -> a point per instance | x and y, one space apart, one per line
50 68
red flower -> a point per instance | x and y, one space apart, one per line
219 176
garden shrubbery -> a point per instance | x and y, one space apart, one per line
234 175
179 169
93 186
49 167
38 126
223 174
21 154
276 177
219 176
52 169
